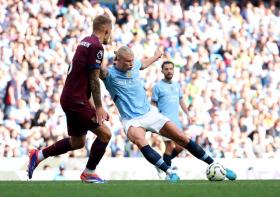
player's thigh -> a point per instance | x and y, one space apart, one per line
103 133
137 136
75 125
171 131
80 120
154 121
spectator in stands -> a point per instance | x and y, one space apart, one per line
227 56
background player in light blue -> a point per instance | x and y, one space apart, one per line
125 86
167 96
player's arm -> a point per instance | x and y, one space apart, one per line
149 61
181 101
183 106
95 60
155 93
103 72
95 87
101 114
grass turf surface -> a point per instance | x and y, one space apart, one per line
190 188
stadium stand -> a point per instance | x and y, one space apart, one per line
226 55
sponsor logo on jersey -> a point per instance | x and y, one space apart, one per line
85 44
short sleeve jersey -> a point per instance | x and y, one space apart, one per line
167 96
127 91
88 55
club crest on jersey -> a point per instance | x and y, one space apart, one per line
129 74
99 55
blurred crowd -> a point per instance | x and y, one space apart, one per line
226 56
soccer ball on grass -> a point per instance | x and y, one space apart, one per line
215 172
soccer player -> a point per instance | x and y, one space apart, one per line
126 88
167 96
82 82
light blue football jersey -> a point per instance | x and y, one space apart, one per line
167 96
127 91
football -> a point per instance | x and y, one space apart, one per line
215 172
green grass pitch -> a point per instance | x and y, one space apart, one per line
188 188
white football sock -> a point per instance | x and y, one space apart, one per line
40 155
88 171
169 171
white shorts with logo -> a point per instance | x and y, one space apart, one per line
152 121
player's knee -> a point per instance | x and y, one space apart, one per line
106 137
103 133
182 139
168 147
78 143
140 142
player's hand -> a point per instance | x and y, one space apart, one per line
158 54
101 115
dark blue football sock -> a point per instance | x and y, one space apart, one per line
198 152
174 153
154 158
167 159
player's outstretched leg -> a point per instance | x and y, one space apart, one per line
137 136
199 153
154 158
58 148
171 131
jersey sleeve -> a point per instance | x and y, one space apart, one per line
155 93
95 56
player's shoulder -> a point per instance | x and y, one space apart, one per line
111 70
176 83
91 41
179 85
158 84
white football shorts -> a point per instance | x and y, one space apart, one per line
152 121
